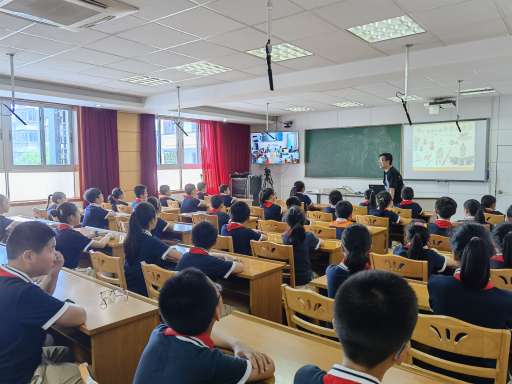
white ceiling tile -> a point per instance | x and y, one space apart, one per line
83 36
174 75
261 70
203 50
89 56
243 39
420 41
119 25
136 66
307 62
422 5
121 47
59 65
234 76
383 90
154 9
310 4
253 11
199 82
201 22
35 44
21 57
351 13
505 6
239 61
356 95
107 73
478 31
167 58
156 35
12 23
131 89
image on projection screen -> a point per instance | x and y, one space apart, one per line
438 147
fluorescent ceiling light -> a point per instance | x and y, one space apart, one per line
298 108
387 29
281 52
477 91
202 68
146 80
409 98
348 104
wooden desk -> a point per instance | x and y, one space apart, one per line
116 242
170 210
319 282
264 280
291 349
185 231
379 239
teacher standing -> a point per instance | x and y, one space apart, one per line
392 180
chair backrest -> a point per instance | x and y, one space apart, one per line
374 221
170 216
458 337
319 216
272 226
321 231
405 213
311 305
257 211
279 252
494 219
123 226
411 269
40 214
200 217
317 223
155 277
172 204
281 203
125 208
420 288
441 243
224 243
502 278
359 211
208 200
111 265
106 206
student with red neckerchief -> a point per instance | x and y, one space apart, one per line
502 236
271 211
218 209
445 208
408 203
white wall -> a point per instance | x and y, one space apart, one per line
498 109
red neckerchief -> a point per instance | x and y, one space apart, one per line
204 337
329 379
232 226
441 223
489 285
198 251
63 227
365 201
406 202
499 258
4 273
267 204
138 200
213 210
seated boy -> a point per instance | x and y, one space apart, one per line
182 350
164 195
334 197
407 203
94 215
343 217
191 203
489 205
237 229
509 214
225 195
445 208
293 200
141 194
217 208
375 313
201 190
29 310
215 266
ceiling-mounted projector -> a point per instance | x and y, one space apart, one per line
440 103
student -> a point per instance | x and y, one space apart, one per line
215 266
334 197
298 190
445 208
367 197
141 194
304 244
141 245
217 208
469 295
94 215
242 236
417 249
271 211
225 195
407 203
344 211
473 212
488 203
116 198
502 236
162 226
375 313
182 349
191 203
54 200
6 224
165 195
72 243
29 310
384 203
356 242
293 201
201 190
509 214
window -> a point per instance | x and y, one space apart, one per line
37 159
178 153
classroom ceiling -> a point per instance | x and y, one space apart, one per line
164 35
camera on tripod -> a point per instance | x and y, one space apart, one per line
267 181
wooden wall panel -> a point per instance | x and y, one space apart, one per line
128 136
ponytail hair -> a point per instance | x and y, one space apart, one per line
475 264
65 210
356 241
502 236
139 222
464 233
296 220
266 194
383 199
372 202
54 198
418 236
475 209
298 187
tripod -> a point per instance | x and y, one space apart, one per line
267 182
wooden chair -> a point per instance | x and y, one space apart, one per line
123 226
403 213
317 223
374 221
212 219
281 203
279 252
170 216
319 216
173 204
441 243
411 269
272 226
40 213
103 264
421 290
321 232
311 305
359 211
494 219
502 278
106 206
155 277
208 200
224 243
125 209
257 212
458 337
274 237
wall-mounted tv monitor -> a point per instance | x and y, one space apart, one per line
275 148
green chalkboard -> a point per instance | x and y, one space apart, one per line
351 152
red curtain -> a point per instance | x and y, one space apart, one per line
148 153
224 150
99 157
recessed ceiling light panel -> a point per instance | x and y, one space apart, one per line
281 52
148 81
387 29
299 108
202 68
411 98
348 104
477 91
